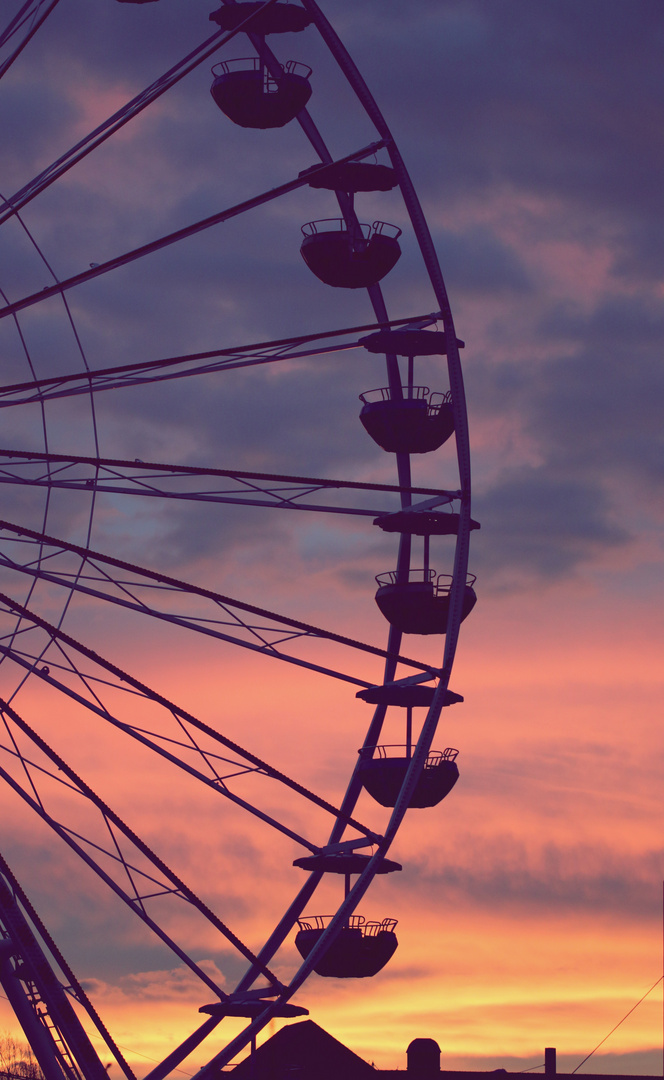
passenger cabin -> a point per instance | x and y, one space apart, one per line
420 602
350 258
249 95
415 424
360 950
383 770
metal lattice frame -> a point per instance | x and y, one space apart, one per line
33 555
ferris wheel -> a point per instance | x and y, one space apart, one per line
65 583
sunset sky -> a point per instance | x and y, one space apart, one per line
530 901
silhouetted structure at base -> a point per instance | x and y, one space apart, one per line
423 1055
306 1052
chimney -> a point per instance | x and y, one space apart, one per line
550 1061
423 1056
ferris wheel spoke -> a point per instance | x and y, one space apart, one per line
137 104
276 498
15 24
173 238
269 650
63 639
129 471
148 480
177 885
160 743
80 850
223 603
139 373
261 639
35 10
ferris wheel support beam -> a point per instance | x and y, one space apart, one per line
37 1035
74 985
39 999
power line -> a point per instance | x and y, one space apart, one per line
619 1023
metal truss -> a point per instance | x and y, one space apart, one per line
125 863
194 740
201 363
141 590
91 141
27 20
175 237
24 926
178 482
42 650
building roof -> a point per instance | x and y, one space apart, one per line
495 1074
303 1051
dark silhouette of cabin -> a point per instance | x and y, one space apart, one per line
350 258
418 602
382 775
252 98
303 1051
359 951
413 424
